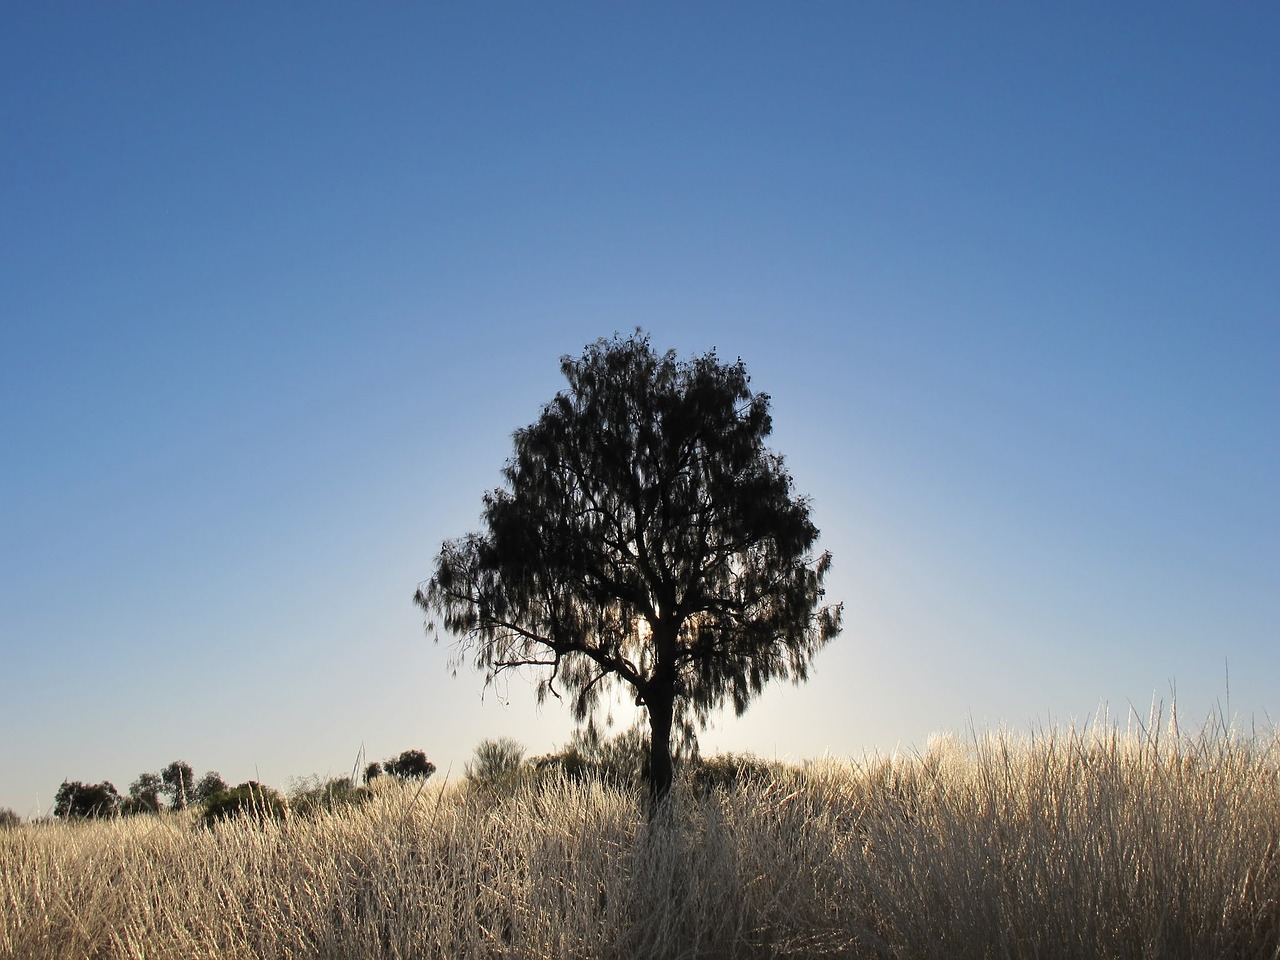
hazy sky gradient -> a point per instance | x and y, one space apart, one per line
277 282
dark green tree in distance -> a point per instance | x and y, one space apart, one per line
248 801
645 537
179 784
410 765
82 801
208 785
372 772
144 794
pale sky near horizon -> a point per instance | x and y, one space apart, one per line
279 281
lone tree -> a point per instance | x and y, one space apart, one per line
211 784
410 765
645 538
144 794
79 801
179 784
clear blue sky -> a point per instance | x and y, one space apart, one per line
277 282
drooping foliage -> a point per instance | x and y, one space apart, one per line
645 537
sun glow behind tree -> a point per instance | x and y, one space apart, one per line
646 537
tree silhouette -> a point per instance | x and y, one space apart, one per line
144 793
179 784
249 801
75 800
645 537
209 785
410 765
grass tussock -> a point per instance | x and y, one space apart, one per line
1072 844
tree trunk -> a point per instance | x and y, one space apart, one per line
661 710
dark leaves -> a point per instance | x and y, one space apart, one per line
645 535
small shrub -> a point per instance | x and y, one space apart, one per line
568 762
617 761
9 818
249 800
730 770
623 759
496 761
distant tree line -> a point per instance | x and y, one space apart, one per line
619 760
175 787
410 765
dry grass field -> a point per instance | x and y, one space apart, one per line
1072 844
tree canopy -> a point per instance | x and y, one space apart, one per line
209 785
645 537
179 784
144 793
76 801
410 765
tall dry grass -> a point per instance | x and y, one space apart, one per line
1070 844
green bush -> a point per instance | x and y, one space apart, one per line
144 795
208 785
85 801
249 800
496 762
410 765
